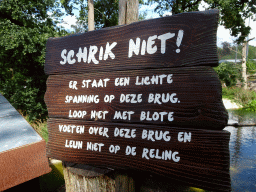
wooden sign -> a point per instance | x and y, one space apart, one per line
197 157
141 96
187 39
184 97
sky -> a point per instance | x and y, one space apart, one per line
222 33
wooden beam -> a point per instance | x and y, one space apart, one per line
90 15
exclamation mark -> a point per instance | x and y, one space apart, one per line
179 39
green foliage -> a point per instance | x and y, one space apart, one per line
105 13
244 97
228 73
233 15
232 12
226 48
39 126
251 66
229 92
142 16
252 52
232 55
79 27
251 106
54 180
176 6
25 27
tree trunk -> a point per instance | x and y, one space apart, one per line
132 11
90 15
122 12
128 11
244 76
79 183
124 183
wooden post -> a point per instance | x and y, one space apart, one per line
100 182
124 182
95 180
82 178
244 59
244 76
128 11
90 15
122 11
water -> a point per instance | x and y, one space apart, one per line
242 151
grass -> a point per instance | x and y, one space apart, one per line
53 180
239 95
41 129
39 126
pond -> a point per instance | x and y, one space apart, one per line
242 151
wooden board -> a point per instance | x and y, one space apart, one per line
21 164
191 155
184 97
187 39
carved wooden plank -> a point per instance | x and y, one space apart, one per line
170 151
177 97
187 39
22 164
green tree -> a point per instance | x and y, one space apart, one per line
232 12
25 27
175 6
251 52
105 13
228 74
226 48
232 15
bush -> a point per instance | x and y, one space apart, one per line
39 126
229 73
244 97
229 92
251 66
25 28
251 106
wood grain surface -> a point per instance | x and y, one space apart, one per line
204 157
194 97
22 164
196 46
